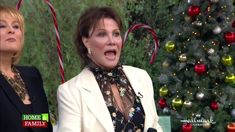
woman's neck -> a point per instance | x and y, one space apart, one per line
96 65
6 66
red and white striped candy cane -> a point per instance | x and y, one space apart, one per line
59 52
19 4
153 33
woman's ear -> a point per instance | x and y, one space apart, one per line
85 42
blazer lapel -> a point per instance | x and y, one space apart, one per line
32 91
95 101
139 90
12 95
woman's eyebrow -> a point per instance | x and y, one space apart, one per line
1 20
16 22
117 30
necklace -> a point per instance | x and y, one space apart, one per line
17 83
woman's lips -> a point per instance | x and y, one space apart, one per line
11 40
110 54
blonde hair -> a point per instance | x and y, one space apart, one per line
7 10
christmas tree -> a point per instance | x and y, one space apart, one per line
197 82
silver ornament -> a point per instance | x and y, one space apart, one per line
233 113
198 23
200 95
217 30
166 110
163 79
214 1
188 104
211 51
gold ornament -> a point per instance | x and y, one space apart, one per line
187 18
163 91
177 103
230 78
208 8
165 64
188 104
183 57
207 125
170 46
227 60
196 33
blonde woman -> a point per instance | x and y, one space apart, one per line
21 88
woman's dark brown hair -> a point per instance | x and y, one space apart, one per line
87 21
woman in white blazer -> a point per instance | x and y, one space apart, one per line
106 96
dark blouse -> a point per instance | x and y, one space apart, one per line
29 109
135 121
133 117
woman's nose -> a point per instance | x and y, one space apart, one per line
111 39
11 29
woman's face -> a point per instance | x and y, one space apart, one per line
105 43
11 34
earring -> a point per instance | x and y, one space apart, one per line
89 50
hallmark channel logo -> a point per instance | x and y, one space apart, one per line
199 121
35 120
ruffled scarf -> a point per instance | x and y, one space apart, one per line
116 76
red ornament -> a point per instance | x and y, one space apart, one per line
214 105
229 37
200 68
187 127
233 24
193 11
231 127
162 103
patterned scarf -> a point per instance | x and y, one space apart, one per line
106 78
17 83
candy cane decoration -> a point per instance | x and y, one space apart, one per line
19 4
59 52
153 33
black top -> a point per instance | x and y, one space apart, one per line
12 107
29 109
135 120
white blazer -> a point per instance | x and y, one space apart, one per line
82 108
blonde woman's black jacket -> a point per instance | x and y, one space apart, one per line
11 106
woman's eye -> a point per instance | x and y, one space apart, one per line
2 26
116 34
101 34
16 26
